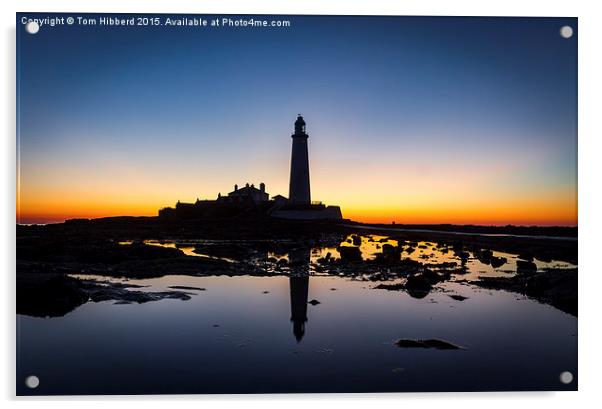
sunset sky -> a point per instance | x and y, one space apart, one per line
412 120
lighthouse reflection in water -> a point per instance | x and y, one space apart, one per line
299 288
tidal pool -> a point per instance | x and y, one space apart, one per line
259 334
370 246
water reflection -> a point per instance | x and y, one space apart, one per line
467 263
510 342
299 289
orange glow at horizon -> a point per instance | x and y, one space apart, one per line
405 188
544 213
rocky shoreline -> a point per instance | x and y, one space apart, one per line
49 256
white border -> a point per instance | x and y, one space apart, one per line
590 133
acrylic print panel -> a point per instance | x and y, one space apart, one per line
268 204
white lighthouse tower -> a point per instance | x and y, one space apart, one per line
299 192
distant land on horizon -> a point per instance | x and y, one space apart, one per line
549 230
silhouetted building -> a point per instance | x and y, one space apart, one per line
299 205
244 193
279 199
251 202
299 191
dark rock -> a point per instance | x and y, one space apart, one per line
432 276
458 297
390 254
525 266
54 295
418 286
48 295
314 302
391 287
390 250
227 250
426 344
557 287
350 254
184 287
109 292
497 262
484 256
526 256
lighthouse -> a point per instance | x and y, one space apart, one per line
299 193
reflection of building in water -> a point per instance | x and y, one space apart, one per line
299 288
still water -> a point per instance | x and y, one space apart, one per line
259 334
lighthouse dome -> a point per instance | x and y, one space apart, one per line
300 125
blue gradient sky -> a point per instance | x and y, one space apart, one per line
410 119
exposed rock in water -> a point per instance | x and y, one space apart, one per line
185 287
418 286
233 251
525 266
389 253
356 240
557 287
497 262
426 344
54 295
98 292
432 276
326 259
458 297
350 254
526 256
390 249
484 256
391 287
314 302
48 295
